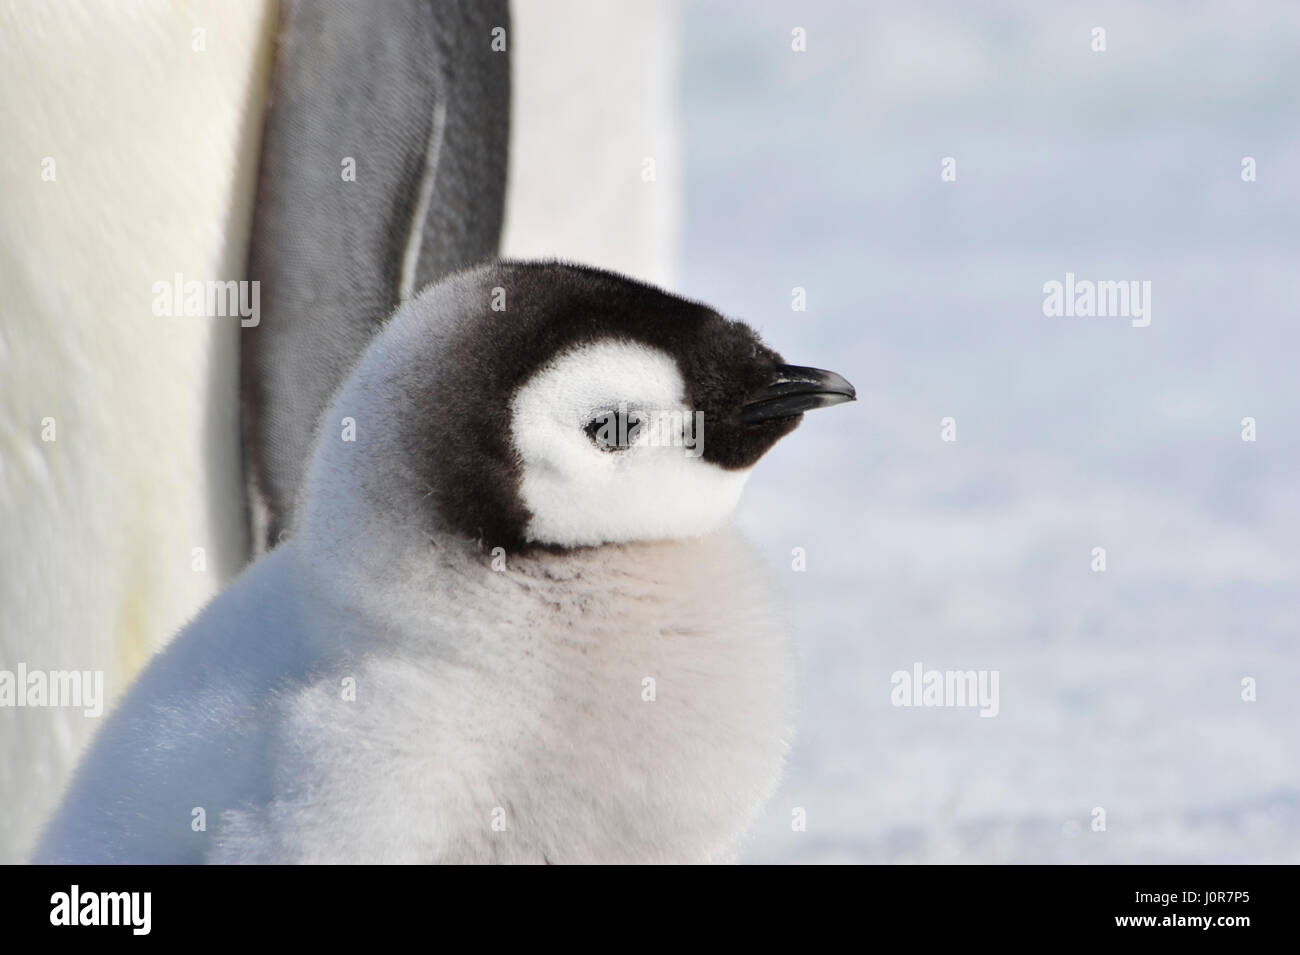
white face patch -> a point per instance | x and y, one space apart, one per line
582 494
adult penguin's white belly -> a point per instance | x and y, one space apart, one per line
595 165
131 146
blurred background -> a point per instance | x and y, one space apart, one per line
1120 690
775 169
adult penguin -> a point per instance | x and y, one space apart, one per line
122 490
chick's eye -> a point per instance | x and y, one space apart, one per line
613 430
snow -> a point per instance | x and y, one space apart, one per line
1119 690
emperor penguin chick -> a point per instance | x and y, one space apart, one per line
509 624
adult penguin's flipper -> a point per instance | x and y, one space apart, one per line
383 169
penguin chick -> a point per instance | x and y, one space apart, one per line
509 624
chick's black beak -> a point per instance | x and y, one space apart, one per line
794 390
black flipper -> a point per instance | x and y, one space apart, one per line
414 92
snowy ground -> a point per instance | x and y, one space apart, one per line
1120 690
